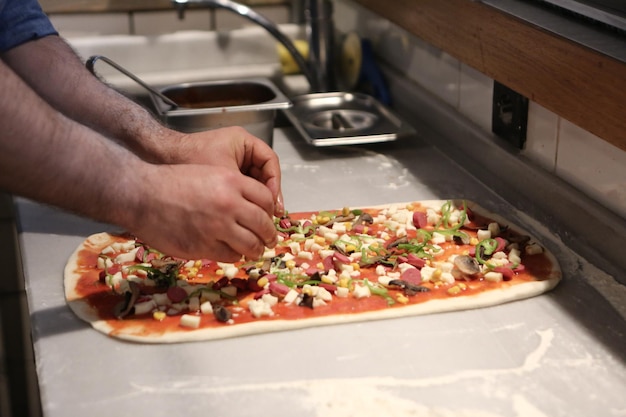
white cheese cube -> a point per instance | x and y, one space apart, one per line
191 321
494 229
483 234
342 292
206 308
269 253
269 299
260 308
447 277
323 294
126 257
361 291
427 272
291 296
493 276
305 255
144 307
533 248
294 247
514 257
318 302
437 238
194 304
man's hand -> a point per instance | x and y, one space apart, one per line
202 211
231 147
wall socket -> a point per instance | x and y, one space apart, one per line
509 115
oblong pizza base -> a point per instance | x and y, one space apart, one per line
133 330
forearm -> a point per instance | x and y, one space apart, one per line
70 88
48 157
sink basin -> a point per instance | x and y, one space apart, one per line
251 103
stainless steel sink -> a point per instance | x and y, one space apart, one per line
342 118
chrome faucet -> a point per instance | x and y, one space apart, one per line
319 27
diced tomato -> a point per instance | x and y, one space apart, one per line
341 258
176 294
278 288
311 271
415 260
270 277
261 293
328 263
419 219
139 254
507 273
412 276
284 223
328 287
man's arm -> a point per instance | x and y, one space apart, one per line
73 90
186 210
51 68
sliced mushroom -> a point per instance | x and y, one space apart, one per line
364 218
467 265
125 308
339 219
397 242
409 289
221 313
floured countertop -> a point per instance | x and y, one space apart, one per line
559 354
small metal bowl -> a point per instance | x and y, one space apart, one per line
250 103
342 118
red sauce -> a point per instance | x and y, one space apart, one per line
100 296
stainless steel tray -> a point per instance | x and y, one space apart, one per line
341 118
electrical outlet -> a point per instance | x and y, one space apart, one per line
510 115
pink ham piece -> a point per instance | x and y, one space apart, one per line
412 276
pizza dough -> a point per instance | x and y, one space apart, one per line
93 301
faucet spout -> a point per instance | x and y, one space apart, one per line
265 23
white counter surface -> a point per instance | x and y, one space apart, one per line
559 354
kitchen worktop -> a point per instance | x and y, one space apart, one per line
559 354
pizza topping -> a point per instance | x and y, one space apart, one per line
398 255
125 308
467 265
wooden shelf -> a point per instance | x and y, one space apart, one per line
581 85
115 6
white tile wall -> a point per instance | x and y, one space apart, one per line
167 21
476 96
79 25
159 22
581 158
227 20
593 165
541 136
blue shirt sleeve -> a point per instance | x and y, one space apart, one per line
22 21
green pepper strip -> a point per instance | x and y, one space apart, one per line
489 246
108 275
157 275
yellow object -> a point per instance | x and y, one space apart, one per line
159 315
262 282
288 64
351 60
